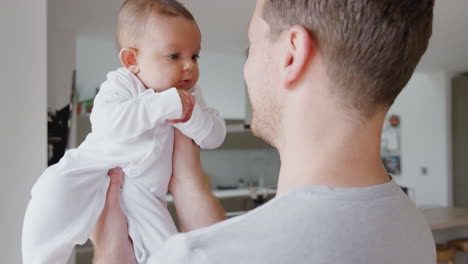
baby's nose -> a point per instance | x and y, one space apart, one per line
188 65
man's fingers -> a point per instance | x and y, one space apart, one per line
116 174
113 193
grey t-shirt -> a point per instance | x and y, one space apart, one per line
314 224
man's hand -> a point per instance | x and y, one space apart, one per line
188 102
110 235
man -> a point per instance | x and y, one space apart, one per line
321 76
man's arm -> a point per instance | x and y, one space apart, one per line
195 203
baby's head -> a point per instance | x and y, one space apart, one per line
159 42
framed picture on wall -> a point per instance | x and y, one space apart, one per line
390 149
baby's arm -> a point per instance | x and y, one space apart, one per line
205 126
122 115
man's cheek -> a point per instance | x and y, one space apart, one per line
246 70
251 70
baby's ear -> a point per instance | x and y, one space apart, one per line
128 58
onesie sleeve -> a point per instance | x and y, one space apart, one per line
123 114
205 126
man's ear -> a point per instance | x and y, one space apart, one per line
300 47
128 58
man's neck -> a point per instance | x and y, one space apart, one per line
331 152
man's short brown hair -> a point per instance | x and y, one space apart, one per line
134 15
370 47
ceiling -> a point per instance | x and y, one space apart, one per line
224 26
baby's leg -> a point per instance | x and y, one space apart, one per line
65 205
149 221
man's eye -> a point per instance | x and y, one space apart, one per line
195 57
174 56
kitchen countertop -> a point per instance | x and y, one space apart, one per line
234 193
446 217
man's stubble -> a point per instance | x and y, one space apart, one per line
266 115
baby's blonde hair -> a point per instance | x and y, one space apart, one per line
134 15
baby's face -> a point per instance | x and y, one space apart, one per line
167 53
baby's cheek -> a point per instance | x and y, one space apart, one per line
195 76
165 81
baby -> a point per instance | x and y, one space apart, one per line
133 121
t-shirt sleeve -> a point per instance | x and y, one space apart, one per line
178 250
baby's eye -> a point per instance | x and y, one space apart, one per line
174 56
195 57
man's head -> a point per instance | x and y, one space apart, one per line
369 50
159 42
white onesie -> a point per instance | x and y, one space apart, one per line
129 130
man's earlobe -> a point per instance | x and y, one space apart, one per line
300 49
128 58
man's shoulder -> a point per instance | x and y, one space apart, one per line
310 223
213 243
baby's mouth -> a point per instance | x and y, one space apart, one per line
185 84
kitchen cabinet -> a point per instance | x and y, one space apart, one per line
239 136
460 139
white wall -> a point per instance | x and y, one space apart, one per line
22 115
61 42
222 82
94 59
424 108
221 74
61 63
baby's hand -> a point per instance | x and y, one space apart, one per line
188 102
